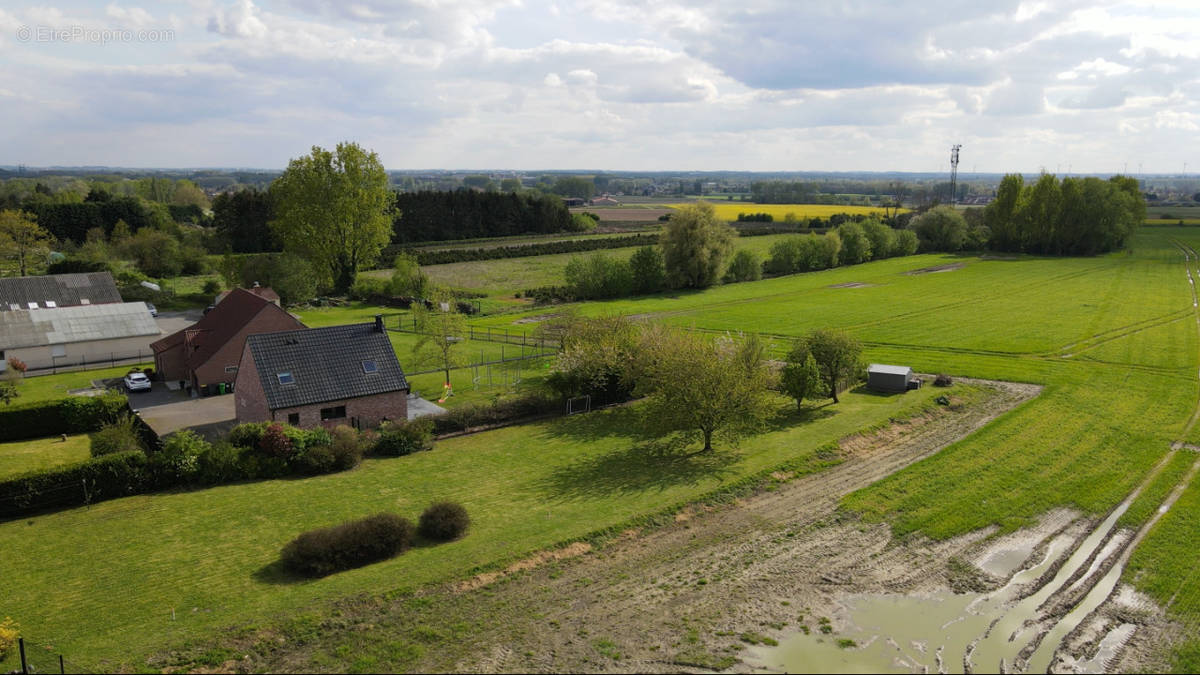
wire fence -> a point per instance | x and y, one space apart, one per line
46 658
524 338
63 364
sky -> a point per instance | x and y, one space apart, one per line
633 85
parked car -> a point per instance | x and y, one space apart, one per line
137 382
153 309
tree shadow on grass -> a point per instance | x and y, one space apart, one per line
620 422
278 575
650 465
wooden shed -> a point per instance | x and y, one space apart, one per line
891 378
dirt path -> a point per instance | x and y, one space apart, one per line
693 595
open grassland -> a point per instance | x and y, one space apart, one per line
730 210
163 568
20 457
512 275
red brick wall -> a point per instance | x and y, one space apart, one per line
370 410
170 365
250 403
269 319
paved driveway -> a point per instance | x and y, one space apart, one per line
166 411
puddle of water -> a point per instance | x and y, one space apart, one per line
998 647
1109 647
900 633
1004 561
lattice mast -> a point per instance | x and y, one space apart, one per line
954 174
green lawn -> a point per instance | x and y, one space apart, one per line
49 387
85 576
20 457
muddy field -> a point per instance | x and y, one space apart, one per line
782 581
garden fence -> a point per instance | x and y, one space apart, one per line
46 658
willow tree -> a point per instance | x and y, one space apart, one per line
695 245
332 208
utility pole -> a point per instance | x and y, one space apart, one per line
954 174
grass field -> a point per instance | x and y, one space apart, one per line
160 568
20 457
730 210
1113 339
48 387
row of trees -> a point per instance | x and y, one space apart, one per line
467 214
1074 216
701 386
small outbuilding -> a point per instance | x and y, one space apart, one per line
891 378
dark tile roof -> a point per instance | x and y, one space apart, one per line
65 290
326 364
217 327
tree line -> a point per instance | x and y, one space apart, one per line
1074 216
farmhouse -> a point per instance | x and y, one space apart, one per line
62 336
891 378
57 290
206 354
322 377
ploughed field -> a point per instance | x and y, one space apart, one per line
1112 340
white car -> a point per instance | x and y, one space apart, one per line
137 382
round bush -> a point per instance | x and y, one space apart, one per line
353 544
444 521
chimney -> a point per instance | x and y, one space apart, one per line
378 323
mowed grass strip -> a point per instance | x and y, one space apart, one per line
53 387
18 457
102 583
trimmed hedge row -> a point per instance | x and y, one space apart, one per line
108 477
72 415
444 256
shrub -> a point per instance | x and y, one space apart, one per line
212 287
179 459
444 521
275 442
461 418
247 435
397 439
9 632
114 437
316 460
942 380
745 266
17 364
359 542
347 447
221 463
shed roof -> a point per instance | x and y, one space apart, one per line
64 290
85 323
890 370
325 364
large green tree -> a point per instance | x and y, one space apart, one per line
940 229
695 246
703 386
332 208
21 238
838 358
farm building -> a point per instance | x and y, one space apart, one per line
206 354
322 377
57 290
891 378
67 336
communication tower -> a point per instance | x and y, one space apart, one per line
954 174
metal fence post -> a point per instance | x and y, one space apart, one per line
24 663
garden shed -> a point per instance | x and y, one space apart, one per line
891 378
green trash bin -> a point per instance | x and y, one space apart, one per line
221 388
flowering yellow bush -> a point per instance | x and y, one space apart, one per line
8 635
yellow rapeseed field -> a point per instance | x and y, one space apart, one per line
730 210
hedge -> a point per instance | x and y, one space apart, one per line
320 552
72 415
98 479
444 256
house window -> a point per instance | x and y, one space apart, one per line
231 369
370 367
58 350
335 413
294 419
3 361
286 378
